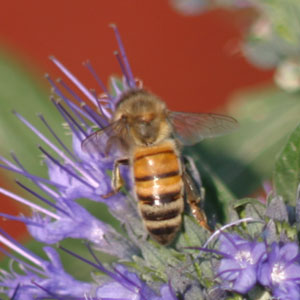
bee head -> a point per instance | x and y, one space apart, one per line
145 128
146 118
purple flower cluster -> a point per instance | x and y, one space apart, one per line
281 271
73 175
238 268
130 286
246 263
43 278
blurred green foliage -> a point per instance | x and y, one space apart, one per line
20 91
245 158
287 169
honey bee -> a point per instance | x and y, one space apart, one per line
148 138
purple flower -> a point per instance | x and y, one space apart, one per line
167 293
69 221
74 174
238 268
43 278
124 284
80 224
38 277
128 286
280 272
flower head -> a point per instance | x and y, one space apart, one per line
280 271
72 175
125 285
48 274
45 278
238 267
128 286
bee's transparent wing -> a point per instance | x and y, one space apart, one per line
191 128
109 141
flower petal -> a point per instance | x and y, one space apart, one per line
287 291
245 281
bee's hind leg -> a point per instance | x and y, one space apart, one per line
195 176
117 181
194 199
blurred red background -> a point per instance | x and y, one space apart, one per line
190 62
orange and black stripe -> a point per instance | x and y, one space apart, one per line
159 189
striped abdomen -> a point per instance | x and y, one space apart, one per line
159 189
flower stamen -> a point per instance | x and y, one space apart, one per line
43 187
58 151
41 197
57 138
83 89
89 66
14 245
55 161
244 258
11 167
116 53
278 273
124 56
20 219
29 203
68 116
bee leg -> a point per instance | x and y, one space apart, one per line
195 176
189 164
117 181
193 199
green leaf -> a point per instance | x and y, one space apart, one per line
157 258
277 210
259 293
275 35
257 213
287 169
244 201
193 234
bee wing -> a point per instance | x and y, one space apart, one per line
111 140
191 128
